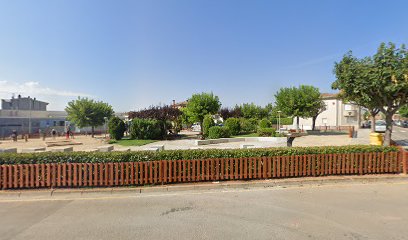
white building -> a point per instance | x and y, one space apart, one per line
336 114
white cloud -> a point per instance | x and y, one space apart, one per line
34 88
56 98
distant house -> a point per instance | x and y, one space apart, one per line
337 114
179 104
28 115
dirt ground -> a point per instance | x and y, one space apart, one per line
188 142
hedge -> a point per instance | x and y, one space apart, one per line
216 132
266 132
283 121
98 157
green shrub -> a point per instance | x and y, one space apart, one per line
266 132
284 121
248 125
139 156
208 122
264 123
234 125
116 128
218 132
147 129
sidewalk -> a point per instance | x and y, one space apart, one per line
131 191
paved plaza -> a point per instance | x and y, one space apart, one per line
327 139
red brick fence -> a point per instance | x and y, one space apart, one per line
165 171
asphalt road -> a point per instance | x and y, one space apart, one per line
359 211
400 135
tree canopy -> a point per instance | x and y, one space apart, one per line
86 112
404 111
200 105
302 102
377 82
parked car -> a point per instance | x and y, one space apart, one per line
380 126
397 123
366 124
196 127
404 124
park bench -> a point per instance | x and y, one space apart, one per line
63 149
156 148
8 150
291 137
33 149
61 143
107 148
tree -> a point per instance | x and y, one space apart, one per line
379 83
117 128
404 111
200 105
302 102
320 107
86 112
162 113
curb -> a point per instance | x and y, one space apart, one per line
83 193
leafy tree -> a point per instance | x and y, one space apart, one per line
162 113
200 105
304 102
233 124
117 128
315 111
251 110
231 112
86 112
381 81
404 111
207 123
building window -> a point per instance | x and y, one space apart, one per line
348 107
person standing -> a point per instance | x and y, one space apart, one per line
53 133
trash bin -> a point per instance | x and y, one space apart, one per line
376 139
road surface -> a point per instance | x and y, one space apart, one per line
400 135
341 211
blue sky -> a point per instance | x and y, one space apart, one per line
133 54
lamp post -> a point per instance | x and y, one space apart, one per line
279 112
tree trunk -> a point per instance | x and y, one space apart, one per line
297 124
373 122
314 122
388 129
93 131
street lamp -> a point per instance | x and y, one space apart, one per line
279 112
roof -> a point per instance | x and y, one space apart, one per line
329 95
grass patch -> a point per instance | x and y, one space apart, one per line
131 142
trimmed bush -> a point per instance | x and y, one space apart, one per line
139 156
117 128
208 122
147 129
233 125
248 125
284 121
218 132
264 123
266 132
